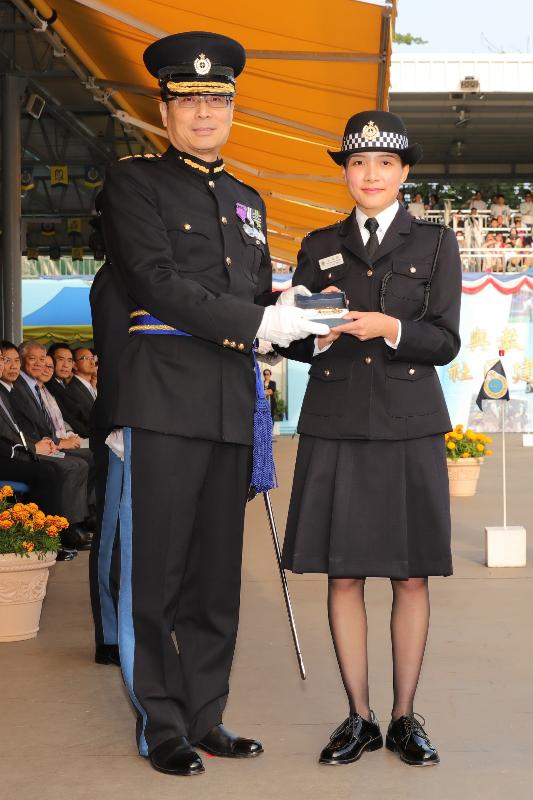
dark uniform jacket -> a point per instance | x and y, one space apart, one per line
180 251
367 390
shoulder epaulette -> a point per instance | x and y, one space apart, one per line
325 228
142 156
422 221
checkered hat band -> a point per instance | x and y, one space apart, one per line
355 141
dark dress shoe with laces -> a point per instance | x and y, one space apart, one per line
407 737
107 654
66 555
73 537
221 742
349 741
176 757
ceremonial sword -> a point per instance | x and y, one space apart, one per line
286 595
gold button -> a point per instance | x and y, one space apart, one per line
257 242
327 372
186 227
233 344
369 272
240 346
224 220
211 184
329 274
412 371
412 269
226 342
368 360
228 261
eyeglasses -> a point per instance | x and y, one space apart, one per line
87 358
195 100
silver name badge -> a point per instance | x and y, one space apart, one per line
331 261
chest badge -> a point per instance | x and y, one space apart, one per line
331 261
252 222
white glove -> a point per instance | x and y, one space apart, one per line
284 324
286 298
115 442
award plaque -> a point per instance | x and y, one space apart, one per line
327 307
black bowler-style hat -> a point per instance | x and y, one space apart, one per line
196 62
376 130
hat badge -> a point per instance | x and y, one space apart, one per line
370 131
202 64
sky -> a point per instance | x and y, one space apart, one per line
459 26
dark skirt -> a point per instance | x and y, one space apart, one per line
369 508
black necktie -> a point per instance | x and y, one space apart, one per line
373 243
47 416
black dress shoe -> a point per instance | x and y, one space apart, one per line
348 743
107 654
221 742
407 737
176 757
66 555
74 538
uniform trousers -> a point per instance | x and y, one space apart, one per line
104 556
40 477
181 527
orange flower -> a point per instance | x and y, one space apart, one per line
28 546
53 530
5 524
33 507
480 448
488 452
6 491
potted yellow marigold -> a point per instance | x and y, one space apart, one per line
465 451
29 541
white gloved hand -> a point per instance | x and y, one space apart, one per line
287 297
115 442
284 324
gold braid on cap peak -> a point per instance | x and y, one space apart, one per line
200 87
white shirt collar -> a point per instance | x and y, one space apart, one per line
8 386
384 219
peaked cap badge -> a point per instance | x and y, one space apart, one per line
370 131
202 64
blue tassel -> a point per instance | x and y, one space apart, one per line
263 469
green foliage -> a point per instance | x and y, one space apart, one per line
407 38
279 406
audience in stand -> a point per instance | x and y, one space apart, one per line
58 386
500 209
81 388
526 209
477 202
417 207
20 386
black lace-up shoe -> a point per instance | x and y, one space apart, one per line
407 737
176 757
225 744
351 739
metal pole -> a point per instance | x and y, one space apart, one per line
284 586
504 466
12 89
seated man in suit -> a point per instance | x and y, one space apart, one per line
24 397
80 388
58 386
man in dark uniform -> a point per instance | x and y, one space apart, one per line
187 245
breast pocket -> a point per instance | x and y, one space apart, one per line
191 239
403 289
327 390
331 276
253 252
412 390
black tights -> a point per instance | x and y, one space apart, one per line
409 627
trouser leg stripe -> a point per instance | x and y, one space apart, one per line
107 537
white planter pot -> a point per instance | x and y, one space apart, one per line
505 547
463 476
527 440
23 582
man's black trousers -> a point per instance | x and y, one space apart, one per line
181 525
